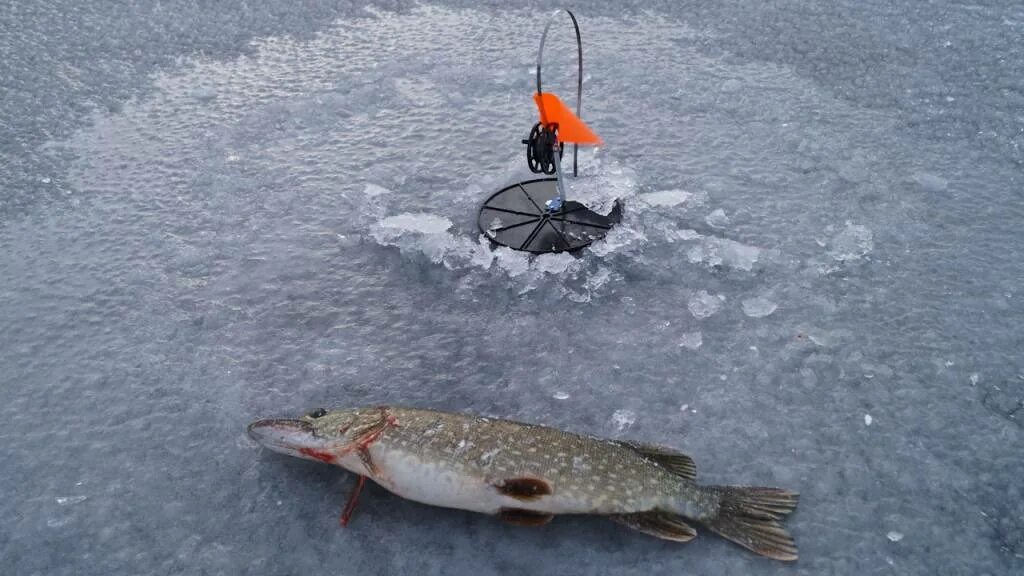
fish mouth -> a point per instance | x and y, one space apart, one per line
283 435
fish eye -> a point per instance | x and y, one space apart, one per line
319 412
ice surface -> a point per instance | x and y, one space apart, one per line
198 209
623 419
702 304
717 219
758 307
931 182
691 340
603 182
667 197
853 242
372 190
422 223
715 251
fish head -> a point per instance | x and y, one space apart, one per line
321 435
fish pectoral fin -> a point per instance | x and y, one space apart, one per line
353 499
657 523
675 462
521 517
525 488
364 457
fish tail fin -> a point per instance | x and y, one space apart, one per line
749 517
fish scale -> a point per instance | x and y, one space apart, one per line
596 475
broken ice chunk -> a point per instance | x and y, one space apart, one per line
717 219
623 419
691 340
666 197
702 304
373 190
423 223
852 243
758 307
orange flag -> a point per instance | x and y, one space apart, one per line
570 128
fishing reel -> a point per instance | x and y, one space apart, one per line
540 146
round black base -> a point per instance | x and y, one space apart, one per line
516 217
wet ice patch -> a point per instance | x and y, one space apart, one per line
856 169
758 307
623 419
554 263
852 243
512 262
691 340
593 283
428 235
601 184
717 219
422 223
620 238
666 198
714 251
373 190
684 234
930 182
702 304
598 279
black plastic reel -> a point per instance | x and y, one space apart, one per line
539 146
516 217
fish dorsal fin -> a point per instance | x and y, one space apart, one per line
657 523
675 462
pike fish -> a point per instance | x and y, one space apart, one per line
526 474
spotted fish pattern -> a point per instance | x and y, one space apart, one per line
527 473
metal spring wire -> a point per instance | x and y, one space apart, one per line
579 70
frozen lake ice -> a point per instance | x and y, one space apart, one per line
218 212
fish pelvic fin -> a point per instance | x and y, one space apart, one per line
657 523
521 517
749 517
